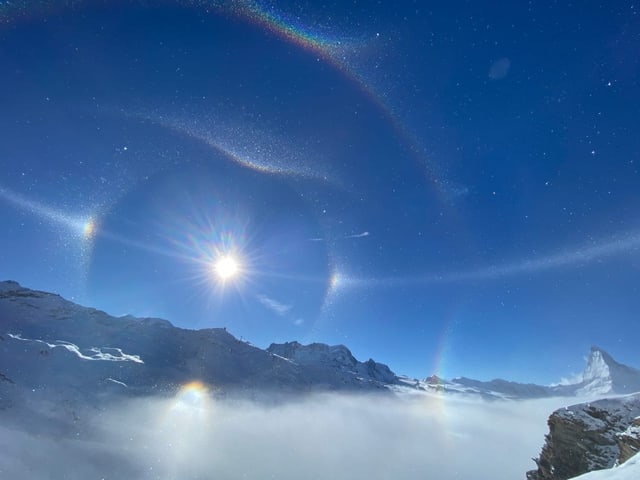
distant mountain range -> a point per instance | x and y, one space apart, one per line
602 375
50 346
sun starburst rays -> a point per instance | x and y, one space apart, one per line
217 249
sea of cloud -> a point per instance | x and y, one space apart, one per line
316 437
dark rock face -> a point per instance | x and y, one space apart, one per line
629 441
584 437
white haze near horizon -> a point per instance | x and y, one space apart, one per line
327 436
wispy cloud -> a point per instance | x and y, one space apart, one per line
570 257
274 305
344 237
358 235
578 256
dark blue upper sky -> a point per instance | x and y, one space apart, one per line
448 188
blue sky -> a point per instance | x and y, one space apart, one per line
448 189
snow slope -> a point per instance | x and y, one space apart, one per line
47 342
601 376
336 359
604 375
585 437
629 470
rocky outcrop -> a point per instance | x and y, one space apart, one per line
584 437
629 441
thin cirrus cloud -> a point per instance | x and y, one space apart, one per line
358 235
274 305
344 237
583 255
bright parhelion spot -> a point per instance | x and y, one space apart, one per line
192 403
193 393
89 228
226 268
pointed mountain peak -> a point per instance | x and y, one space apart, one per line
604 375
597 365
597 349
598 355
434 380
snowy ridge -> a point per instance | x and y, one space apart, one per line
54 345
334 358
629 470
97 353
150 355
602 376
597 367
596 379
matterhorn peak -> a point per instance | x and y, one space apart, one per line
597 365
604 375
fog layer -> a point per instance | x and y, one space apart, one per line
319 437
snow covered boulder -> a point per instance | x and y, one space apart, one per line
629 441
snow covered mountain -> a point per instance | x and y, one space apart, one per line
604 375
324 359
601 376
49 344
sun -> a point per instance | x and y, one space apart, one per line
226 268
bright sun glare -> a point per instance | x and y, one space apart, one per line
226 268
